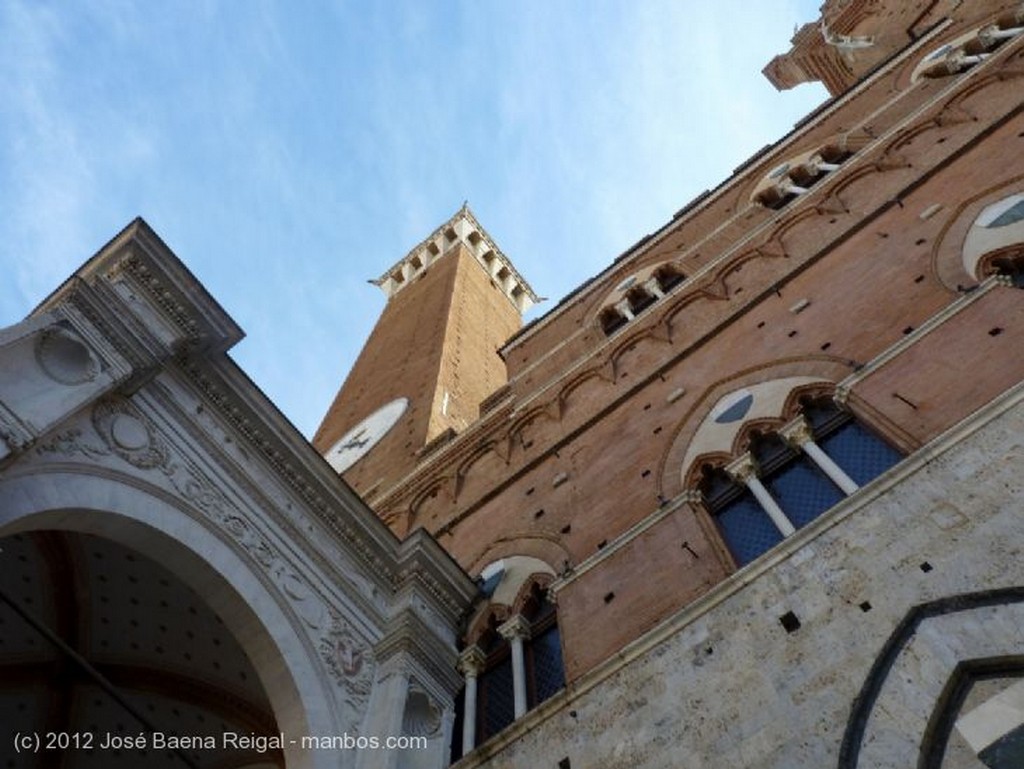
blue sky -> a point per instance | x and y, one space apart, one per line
290 151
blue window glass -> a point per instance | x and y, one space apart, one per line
545 652
802 490
496 699
862 455
747 530
1011 215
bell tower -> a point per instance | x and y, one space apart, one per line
453 300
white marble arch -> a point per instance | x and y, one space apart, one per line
125 511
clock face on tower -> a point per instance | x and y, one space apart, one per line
354 444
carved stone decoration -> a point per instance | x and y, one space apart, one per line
69 443
350 661
129 434
65 358
422 717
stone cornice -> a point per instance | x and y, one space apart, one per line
409 635
423 561
266 431
149 283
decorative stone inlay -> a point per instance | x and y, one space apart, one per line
350 661
65 358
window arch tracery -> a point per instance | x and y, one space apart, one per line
636 293
969 50
513 660
797 175
783 475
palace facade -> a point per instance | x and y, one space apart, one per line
751 496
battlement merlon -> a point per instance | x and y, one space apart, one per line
461 228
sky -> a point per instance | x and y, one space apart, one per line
288 152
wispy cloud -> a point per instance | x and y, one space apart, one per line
288 155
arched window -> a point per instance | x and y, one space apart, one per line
611 320
545 673
1010 265
970 49
495 695
994 244
791 476
640 299
668 277
633 295
796 177
495 689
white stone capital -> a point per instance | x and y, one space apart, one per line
472 661
797 432
743 468
516 627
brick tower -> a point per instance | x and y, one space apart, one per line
431 359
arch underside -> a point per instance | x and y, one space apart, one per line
101 640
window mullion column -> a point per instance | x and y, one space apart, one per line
799 435
744 470
471 663
516 630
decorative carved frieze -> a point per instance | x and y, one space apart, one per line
350 661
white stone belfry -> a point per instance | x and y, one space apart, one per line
462 228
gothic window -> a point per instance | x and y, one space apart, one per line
796 177
545 674
792 477
535 627
668 277
971 49
637 293
495 699
611 320
747 531
995 240
639 300
1010 265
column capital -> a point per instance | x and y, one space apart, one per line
472 661
743 468
516 627
797 432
